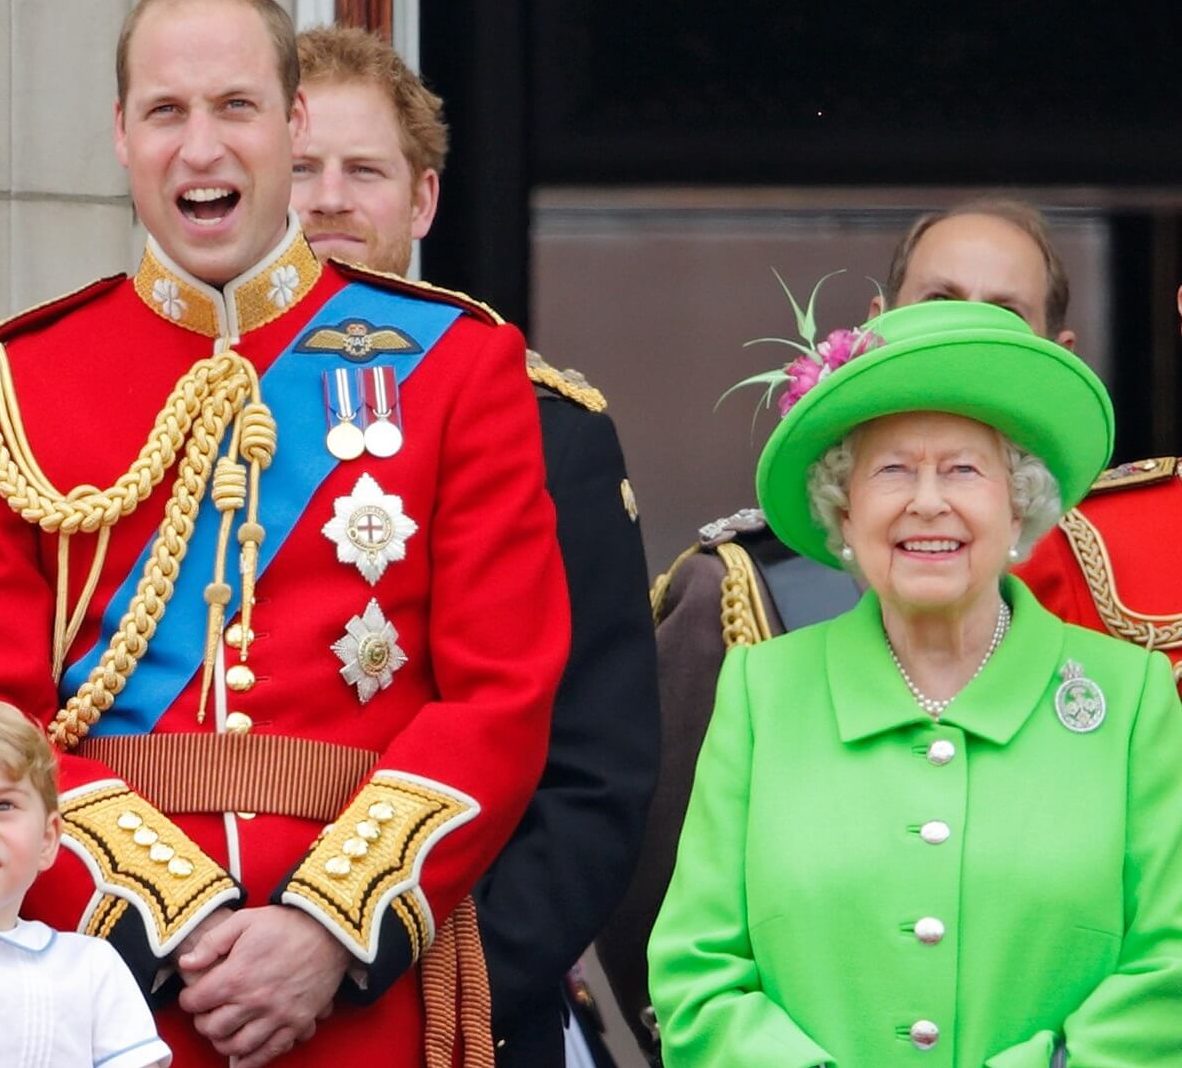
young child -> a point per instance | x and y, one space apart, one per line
68 1000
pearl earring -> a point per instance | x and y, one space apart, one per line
1013 554
847 554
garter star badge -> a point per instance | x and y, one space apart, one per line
370 652
369 528
1079 702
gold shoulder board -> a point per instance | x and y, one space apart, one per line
1136 473
397 284
570 384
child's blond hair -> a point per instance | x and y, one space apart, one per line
25 751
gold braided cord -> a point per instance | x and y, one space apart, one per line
660 586
96 566
208 399
1151 631
744 621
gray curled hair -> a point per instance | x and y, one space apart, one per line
1034 492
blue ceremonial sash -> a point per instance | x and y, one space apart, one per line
291 388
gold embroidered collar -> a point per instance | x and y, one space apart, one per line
272 286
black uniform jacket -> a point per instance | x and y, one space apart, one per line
570 860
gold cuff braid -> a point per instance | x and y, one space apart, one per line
371 857
140 856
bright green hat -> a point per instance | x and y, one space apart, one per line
970 359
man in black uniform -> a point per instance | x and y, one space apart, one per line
366 187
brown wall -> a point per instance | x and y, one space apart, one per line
653 293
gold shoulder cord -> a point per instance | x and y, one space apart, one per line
215 394
1153 632
660 586
744 621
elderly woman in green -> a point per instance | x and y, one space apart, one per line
943 829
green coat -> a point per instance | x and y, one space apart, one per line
788 936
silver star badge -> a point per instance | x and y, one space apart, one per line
369 528
370 652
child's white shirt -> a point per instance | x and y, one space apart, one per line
69 1001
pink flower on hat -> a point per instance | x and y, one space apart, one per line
837 349
815 362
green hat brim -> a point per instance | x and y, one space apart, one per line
974 360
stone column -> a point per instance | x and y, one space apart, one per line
65 215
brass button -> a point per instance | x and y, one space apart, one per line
129 821
238 723
338 867
240 678
161 853
180 867
144 836
234 634
382 811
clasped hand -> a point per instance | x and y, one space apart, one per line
257 980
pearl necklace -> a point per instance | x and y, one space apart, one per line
930 705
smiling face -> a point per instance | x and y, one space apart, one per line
29 840
205 135
930 519
356 193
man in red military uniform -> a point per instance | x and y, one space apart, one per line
299 650
1096 570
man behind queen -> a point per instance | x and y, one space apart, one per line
291 606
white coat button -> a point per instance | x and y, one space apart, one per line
929 930
924 1034
940 752
934 832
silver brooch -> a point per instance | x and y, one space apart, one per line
370 652
369 528
1079 702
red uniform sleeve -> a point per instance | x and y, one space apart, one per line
450 787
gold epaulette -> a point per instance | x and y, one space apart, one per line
397 284
49 310
742 614
1136 473
570 384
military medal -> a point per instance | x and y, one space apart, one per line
370 652
369 528
1079 702
345 439
383 436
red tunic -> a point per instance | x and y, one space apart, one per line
456 741
1109 564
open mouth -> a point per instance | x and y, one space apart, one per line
208 204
